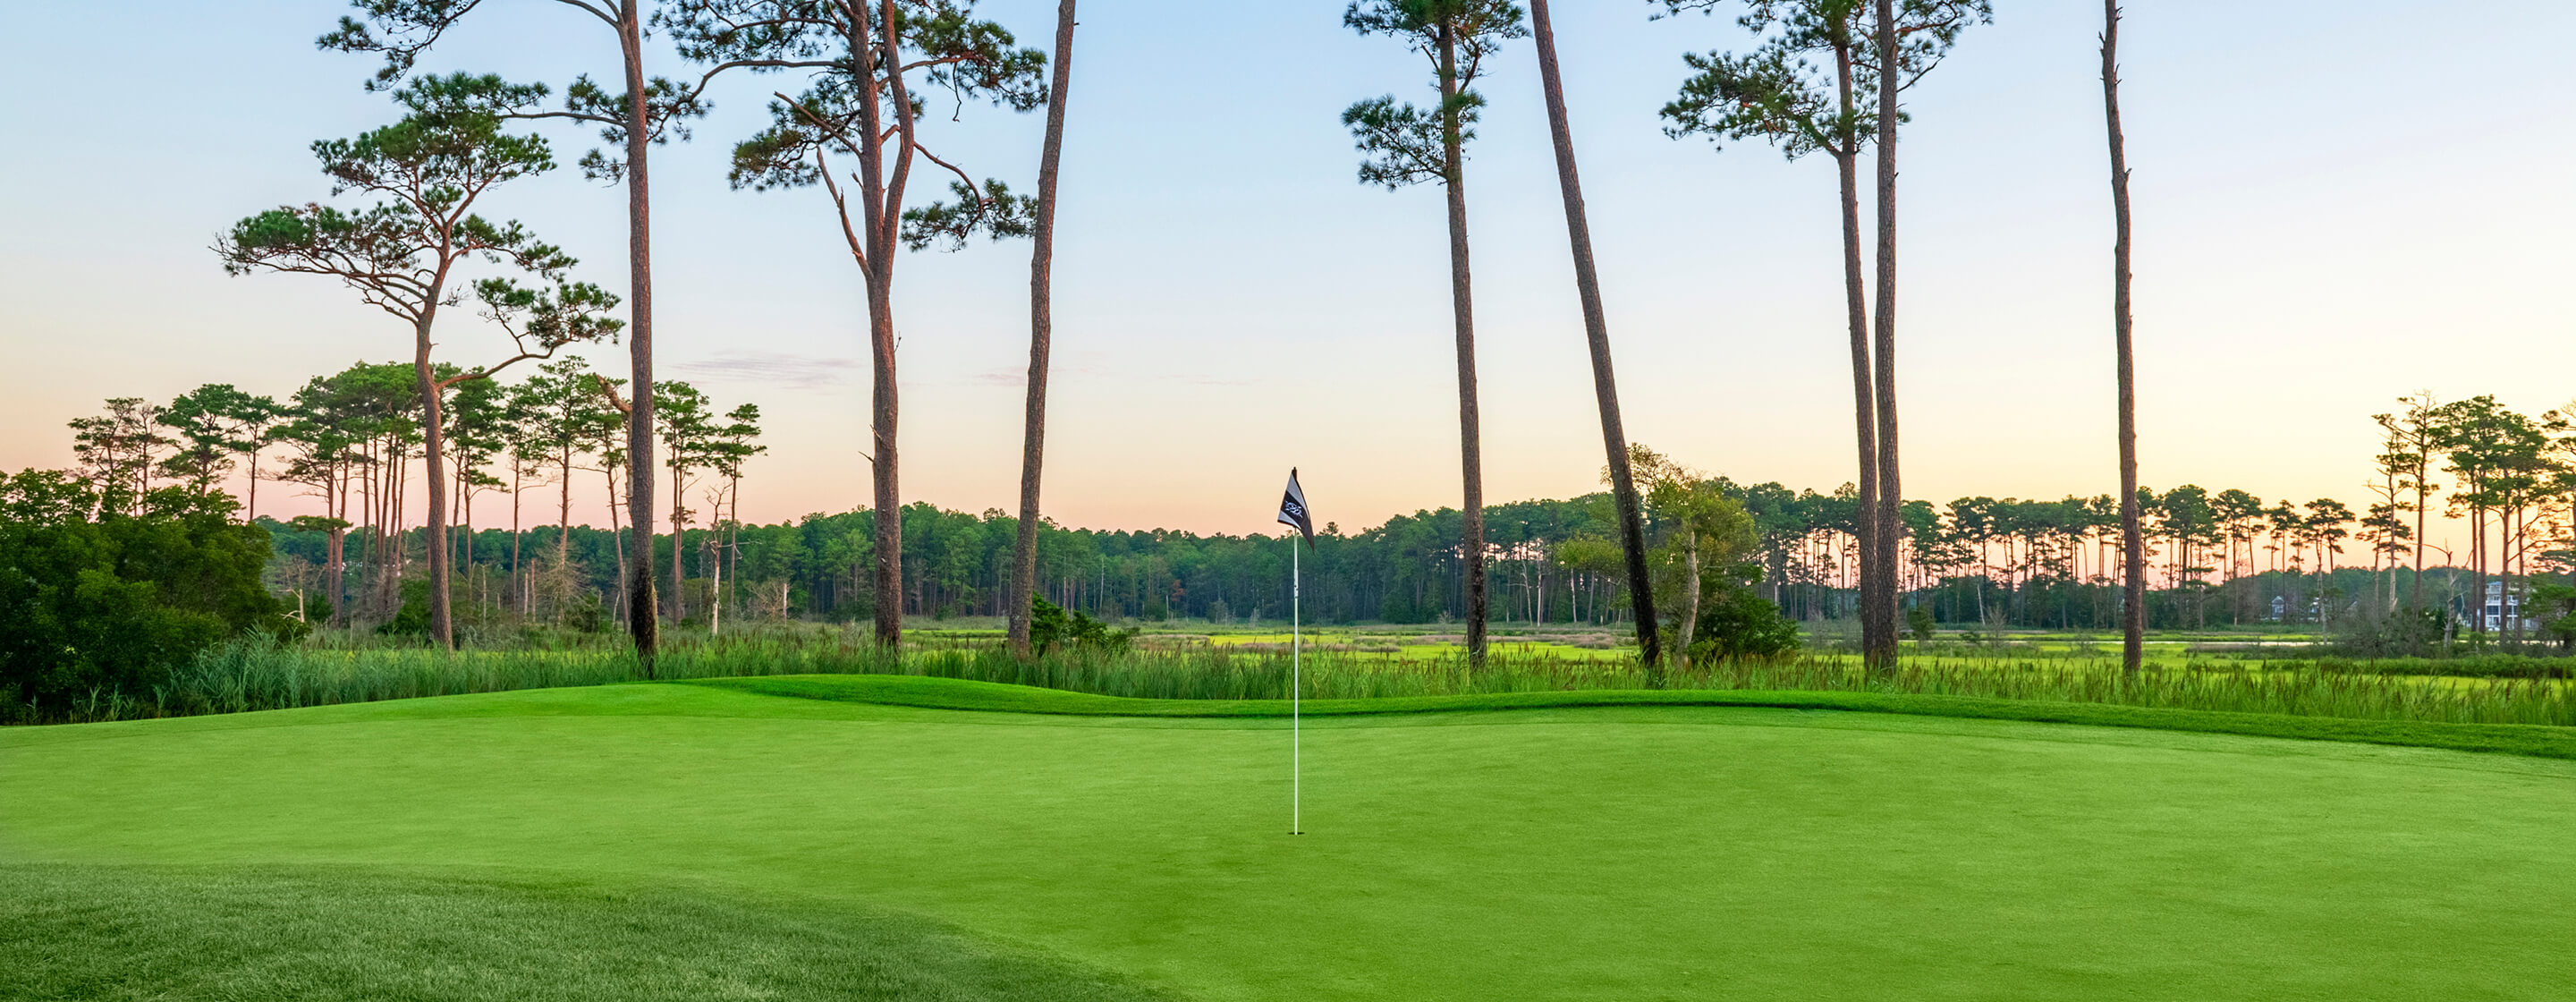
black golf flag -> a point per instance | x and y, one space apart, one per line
1292 510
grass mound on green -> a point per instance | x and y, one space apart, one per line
947 694
1571 852
163 933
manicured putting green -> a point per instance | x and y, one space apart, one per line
1600 853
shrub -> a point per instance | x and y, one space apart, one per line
107 592
1918 621
1051 625
1736 623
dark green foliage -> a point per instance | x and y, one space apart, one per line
1407 144
1050 625
412 618
342 933
960 56
2555 604
2398 633
1734 622
1918 621
99 594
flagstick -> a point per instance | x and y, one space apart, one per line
1296 693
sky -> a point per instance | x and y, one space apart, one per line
2336 203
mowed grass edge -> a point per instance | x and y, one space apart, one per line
2537 740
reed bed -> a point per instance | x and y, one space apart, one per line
261 674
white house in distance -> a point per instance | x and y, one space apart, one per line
2501 609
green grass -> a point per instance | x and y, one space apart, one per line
1603 852
94 932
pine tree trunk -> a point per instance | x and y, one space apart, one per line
679 538
881 200
2133 618
442 633
1881 607
1024 550
1856 316
642 623
1596 325
518 573
1462 311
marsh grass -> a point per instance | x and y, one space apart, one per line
261 674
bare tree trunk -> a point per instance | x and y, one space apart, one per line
679 538
563 521
1881 593
1462 310
1856 316
2133 544
642 623
1024 550
1596 325
518 579
881 198
442 629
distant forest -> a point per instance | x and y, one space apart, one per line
2027 565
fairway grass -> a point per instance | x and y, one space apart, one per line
1573 852
91 932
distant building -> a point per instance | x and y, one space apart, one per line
2504 609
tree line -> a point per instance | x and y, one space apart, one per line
355 442
2215 557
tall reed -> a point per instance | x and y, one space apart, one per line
261 674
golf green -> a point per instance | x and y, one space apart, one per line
1574 853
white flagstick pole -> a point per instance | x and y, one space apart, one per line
1296 691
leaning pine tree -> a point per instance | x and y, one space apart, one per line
1409 145
401 254
860 106
1596 329
1024 549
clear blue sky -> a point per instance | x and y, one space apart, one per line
2337 203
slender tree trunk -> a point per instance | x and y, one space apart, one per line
617 542
881 201
1024 549
642 623
1890 525
1856 316
1462 311
732 562
1596 325
442 630
2415 586
518 575
679 536
2133 619
563 520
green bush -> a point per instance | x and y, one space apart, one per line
107 592
1051 625
1736 623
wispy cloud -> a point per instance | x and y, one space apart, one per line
794 372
